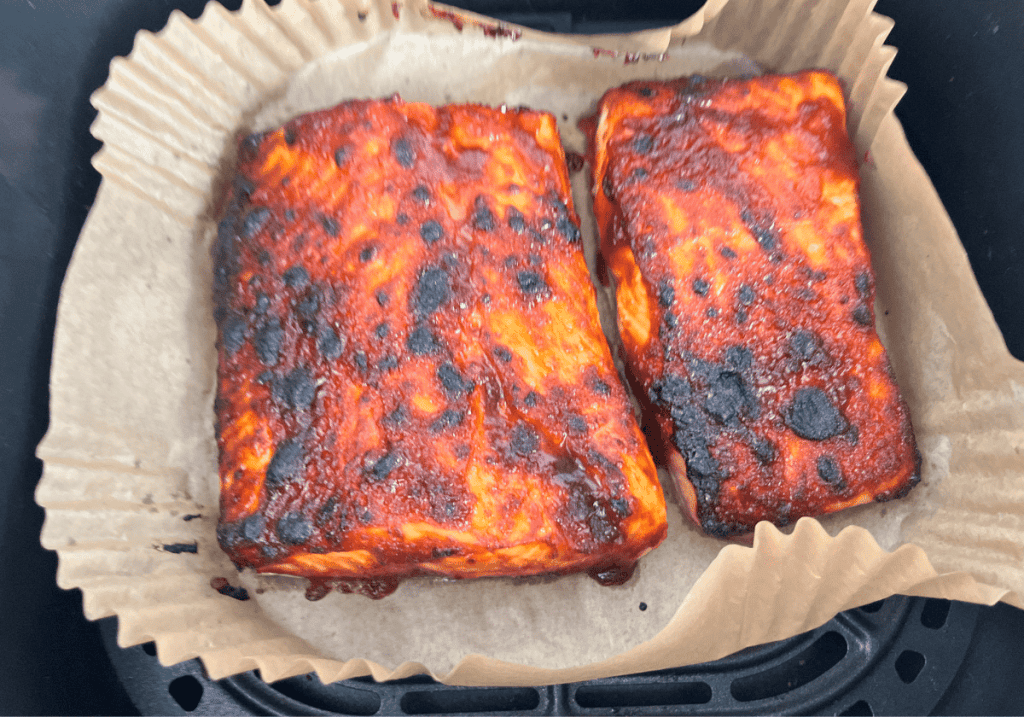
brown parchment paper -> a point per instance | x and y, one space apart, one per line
130 458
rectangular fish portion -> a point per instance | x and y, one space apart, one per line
412 375
730 220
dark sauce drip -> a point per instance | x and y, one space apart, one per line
374 588
614 574
574 160
222 586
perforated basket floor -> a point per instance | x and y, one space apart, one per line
898 656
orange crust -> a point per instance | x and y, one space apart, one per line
412 375
730 220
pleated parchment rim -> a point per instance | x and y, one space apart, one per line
128 493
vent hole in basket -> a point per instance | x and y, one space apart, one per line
651 694
150 649
489 700
934 613
860 708
909 665
334 699
186 691
872 606
820 657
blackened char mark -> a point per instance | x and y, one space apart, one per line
296 277
226 254
862 315
804 344
693 433
807 347
232 333
294 529
397 417
728 397
249 147
287 464
643 143
296 390
340 155
568 229
330 225
326 512
739 357
251 527
483 218
516 220
403 152
563 221
254 221
433 290
666 294
448 419
330 343
268 340
813 415
421 341
829 471
863 283
576 423
308 307
524 439
381 468
453 382
764 450
262 303
763 231
431 231
530 282
240 533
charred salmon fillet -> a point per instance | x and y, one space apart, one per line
730 220
412 376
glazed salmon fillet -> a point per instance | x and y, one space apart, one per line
412 376
730 220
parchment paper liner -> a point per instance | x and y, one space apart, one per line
126 467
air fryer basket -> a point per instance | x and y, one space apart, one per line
962 62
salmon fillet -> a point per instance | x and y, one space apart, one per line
730 220
412 376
